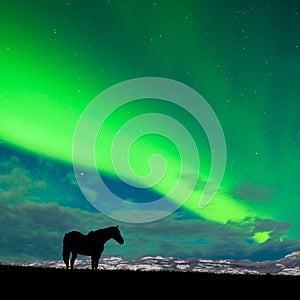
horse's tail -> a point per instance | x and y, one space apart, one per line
66 251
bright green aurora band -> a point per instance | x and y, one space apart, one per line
243 57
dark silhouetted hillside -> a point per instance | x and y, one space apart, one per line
52 280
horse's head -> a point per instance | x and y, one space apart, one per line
116 234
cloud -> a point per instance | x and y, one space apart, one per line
15 182
39 181
39 204
253 191
34 231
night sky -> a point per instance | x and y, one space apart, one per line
137 97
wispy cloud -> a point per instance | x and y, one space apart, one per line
253 192
37 208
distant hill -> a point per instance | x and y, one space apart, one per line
288 265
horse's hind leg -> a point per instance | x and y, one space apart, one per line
74 256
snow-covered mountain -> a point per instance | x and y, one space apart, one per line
288 265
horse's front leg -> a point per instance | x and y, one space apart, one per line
95 261
74 256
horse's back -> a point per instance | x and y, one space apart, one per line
73 236
78 242
74 233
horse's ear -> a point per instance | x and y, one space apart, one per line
117 226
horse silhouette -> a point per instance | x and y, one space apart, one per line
91 244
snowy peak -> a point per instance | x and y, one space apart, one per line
288 265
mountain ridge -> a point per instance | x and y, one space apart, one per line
288 265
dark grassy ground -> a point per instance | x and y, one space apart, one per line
62 283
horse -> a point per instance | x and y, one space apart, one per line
91 244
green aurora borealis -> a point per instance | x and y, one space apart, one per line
243 57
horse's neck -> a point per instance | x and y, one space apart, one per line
103 236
